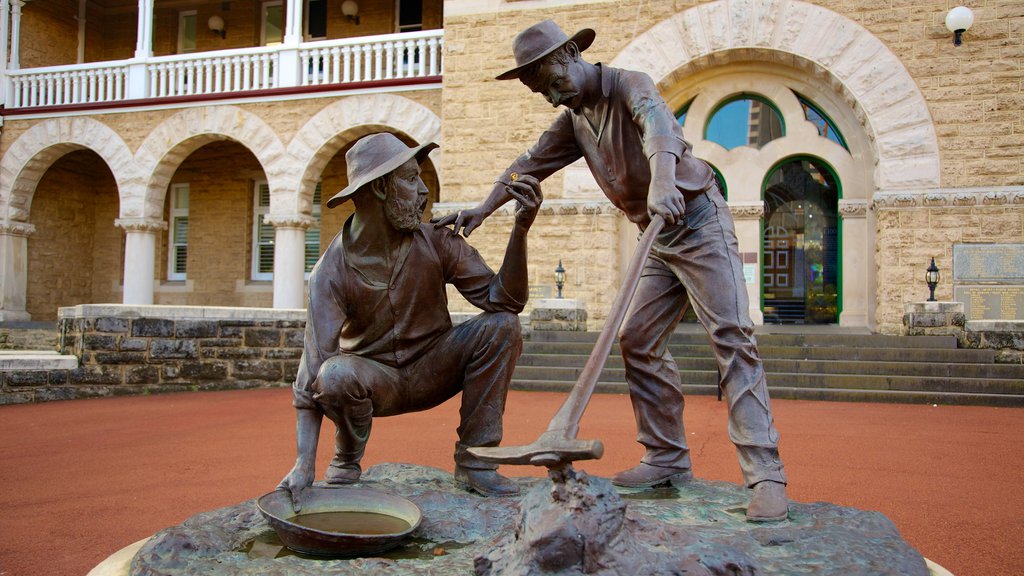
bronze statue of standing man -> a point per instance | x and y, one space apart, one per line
618 122
379 340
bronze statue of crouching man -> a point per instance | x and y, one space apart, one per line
379 340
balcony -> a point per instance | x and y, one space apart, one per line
382 61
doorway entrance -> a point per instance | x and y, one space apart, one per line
800 243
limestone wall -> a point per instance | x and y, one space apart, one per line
914 228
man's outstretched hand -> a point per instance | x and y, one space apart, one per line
466 220
300 478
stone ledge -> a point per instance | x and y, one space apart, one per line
92 311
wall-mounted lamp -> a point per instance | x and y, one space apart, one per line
958 20
931 277
351 10
216 24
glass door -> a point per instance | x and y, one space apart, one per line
800 240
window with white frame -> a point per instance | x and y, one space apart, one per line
313 234
186 31
262 234
177 236
272 23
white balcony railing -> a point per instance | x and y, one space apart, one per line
328 62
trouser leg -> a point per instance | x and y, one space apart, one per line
651 372
478 358
707 262
350 389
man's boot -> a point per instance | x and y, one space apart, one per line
646 475
486 482
769 502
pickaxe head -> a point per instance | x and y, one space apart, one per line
552 449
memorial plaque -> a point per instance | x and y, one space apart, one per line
988 264
541 291
991 302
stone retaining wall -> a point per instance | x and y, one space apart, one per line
142 349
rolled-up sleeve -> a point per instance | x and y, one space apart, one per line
555 149
658 126
466 269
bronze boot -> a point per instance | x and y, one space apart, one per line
769 502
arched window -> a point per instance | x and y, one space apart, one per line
744 120
826 127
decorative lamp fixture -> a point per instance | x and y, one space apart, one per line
559 277
958 20
351 11
216 24
931 276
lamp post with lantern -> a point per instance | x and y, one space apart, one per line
931 276
559 277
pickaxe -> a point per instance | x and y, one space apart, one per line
559 445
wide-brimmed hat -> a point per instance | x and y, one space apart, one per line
374 156
542 39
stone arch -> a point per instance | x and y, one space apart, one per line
175 138
874 81
29 157
323 135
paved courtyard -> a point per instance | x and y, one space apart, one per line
82 479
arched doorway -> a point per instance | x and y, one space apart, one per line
800 244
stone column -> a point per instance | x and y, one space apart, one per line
747 216
14 270
139 258
856 256
15 57
144 36
5 18
289 259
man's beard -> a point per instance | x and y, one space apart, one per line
402 216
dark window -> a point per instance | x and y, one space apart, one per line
410 15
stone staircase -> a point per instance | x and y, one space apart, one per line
805 364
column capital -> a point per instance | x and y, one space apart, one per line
290 221
747 210
853 208
140 224
12 228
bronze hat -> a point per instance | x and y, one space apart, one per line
542 39
374 156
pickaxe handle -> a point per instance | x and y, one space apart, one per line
559 443
568 416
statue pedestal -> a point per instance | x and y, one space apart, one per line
459 527
559 314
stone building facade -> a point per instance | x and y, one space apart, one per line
861 114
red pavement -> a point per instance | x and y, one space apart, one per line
82 479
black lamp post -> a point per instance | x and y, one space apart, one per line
931 276
559 277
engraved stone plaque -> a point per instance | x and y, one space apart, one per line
988 263
991 302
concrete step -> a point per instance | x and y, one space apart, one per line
846 339
579 351
798 365
824 394
34 360
802 380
